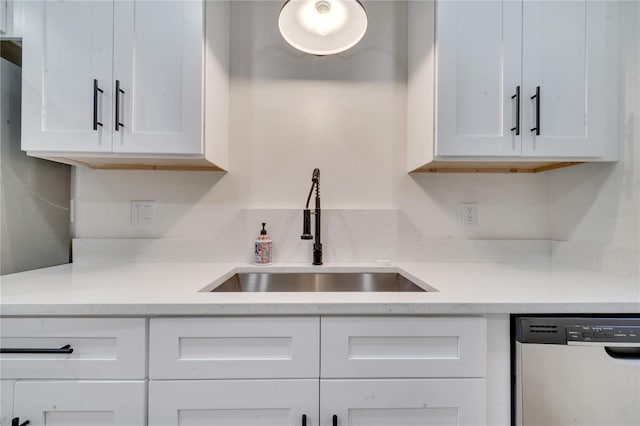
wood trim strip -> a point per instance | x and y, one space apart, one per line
11 51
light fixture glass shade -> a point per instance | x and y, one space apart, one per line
323 27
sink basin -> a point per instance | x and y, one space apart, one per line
317 282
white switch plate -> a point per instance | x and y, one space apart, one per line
469 214
72 210
142 212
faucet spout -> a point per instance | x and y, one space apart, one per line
306 219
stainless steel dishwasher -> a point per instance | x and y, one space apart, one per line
576 371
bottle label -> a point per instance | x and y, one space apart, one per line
263 252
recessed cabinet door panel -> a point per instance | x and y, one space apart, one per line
444 402
236 402
158 62
234 348
410 347
570 52
66 46
478 69
70 403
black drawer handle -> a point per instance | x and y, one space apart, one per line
537 98
16 422
304 420
335 420
96 89
118 92
517 98
66 349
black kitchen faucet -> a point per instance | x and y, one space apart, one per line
306 219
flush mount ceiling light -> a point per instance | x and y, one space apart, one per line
323 27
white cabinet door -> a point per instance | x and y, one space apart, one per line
436 402
235 402
158 62
71 403
6 401
4 20
11 18
66 46
478 70
570 53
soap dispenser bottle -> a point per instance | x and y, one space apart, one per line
264 247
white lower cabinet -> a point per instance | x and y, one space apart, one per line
233 402
73 371
80 403
376 371
424 402
435 402
244 371
6 401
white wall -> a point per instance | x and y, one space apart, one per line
595 208
34 193
291 112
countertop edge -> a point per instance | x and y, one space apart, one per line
312 309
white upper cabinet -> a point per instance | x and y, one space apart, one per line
11 19
66 76
570 58
153 62
517 85
158 65
479 68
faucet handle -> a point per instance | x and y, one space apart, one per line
306 225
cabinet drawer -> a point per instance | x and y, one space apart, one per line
402 347
103 348
234 348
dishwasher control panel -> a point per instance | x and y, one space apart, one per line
564 330
602 333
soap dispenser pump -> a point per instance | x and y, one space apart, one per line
264 247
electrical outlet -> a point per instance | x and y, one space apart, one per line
469 214
142 212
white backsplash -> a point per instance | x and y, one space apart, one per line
347 236
597 257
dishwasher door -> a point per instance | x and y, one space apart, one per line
575 384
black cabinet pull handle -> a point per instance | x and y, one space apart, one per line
16 422
66 349
96 89
537 98
517 98
304 420
118 91
335 420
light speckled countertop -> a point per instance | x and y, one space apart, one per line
143 289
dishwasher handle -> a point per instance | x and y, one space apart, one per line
623 352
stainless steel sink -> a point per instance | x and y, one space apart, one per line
317 282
